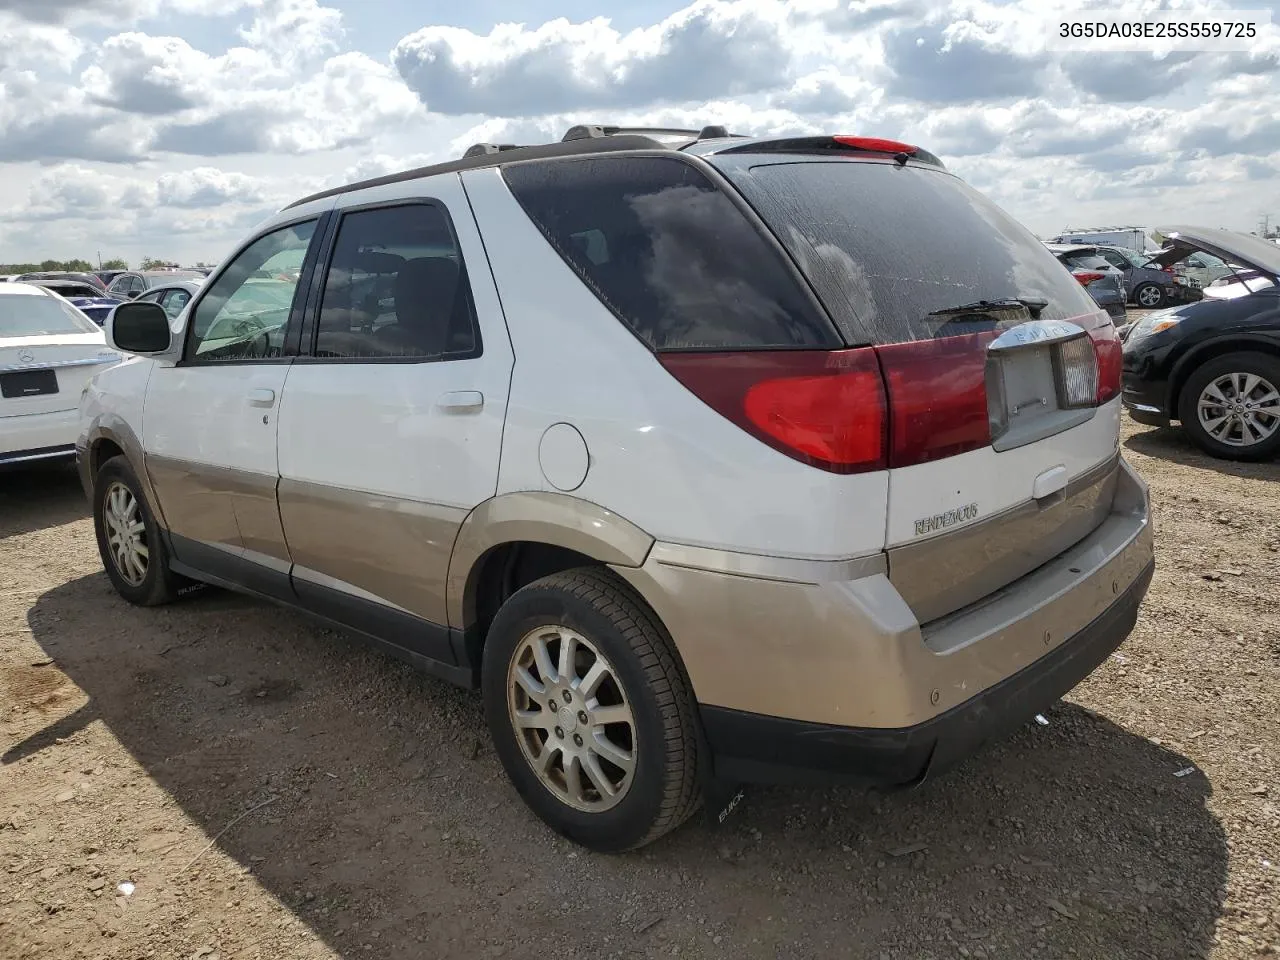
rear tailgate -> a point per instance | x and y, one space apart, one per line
1003 451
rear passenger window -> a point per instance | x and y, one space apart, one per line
668 253
397 289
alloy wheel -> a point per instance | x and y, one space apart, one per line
1149 296
126 533
1239 409
572 719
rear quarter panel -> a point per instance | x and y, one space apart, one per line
657 456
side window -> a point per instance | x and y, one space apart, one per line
136 285
669 253
151 296
245 312
397 287
119 287
1117 260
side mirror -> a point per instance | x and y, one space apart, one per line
134 294
139 328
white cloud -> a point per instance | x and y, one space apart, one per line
114 11
294 32
711 48
151 140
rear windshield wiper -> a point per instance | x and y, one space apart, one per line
1033 305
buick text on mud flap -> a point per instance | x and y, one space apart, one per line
949 518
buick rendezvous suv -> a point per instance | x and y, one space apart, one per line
706 458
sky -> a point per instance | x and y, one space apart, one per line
170 128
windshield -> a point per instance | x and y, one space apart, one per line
887 246
41 316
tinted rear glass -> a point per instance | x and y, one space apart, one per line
40 316
1088 261
886 245
668 253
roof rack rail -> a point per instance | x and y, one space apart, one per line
481 149
589 131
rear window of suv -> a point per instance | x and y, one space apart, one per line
669 253
1087 261
886 245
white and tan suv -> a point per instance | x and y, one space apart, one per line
708 459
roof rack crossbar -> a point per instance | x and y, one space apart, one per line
483 149
587 131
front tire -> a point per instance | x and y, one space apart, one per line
590 712
1230 406
129 540
1149 296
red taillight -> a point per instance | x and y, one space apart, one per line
824 408
876 144
869 408
1109 350
937 397
1087 277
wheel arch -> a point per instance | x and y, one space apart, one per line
515 536
1193 359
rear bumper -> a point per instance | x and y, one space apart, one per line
837 679
758 749
38 436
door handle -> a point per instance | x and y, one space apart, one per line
262 397
461 401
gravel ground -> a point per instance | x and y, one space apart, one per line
139 747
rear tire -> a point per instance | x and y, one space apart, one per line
619 689
1149 296
1214 406
129 539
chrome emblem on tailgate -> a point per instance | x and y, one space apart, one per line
26 356
949 518
1035 333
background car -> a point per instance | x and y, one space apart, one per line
1239 284
48 349
1201 269
1103 281
129 286
1147 284
65 276
1213 365
106 276
174 296
88 299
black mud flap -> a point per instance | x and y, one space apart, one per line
721 798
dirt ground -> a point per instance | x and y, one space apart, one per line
1142 821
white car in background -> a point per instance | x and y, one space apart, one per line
48 350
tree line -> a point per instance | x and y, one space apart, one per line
82 266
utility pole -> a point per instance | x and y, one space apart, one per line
1264 226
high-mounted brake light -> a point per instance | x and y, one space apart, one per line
876 144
